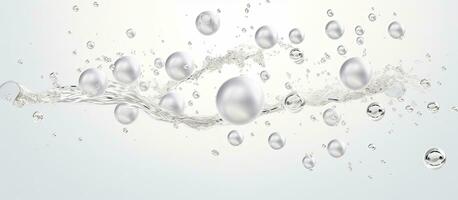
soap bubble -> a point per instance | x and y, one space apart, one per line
372 17
266 37
396 30
293 102
235 138
179 66
158 63
126 70
172 102
276 141
334 30
331 117
308 161
336 149
92 82
130 33
433 107
341 50
354 74
90 44
435 158
37 116
296 36
125 114
264 75
239 100
360 40
359 30
330 13
207 23
375 111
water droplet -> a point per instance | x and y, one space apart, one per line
359 30
409 108
425 83
395 90
179 66
215 152
37 116
334 30
158 63
75 8
125 114
126 70
235 138
266 37
371 147
130 33
308 161
341 50
296 36
92 82
276 141
264 75
336 148
354 74
293 102
433 107
372 17
90 44
331 117
375 111
396 30
195 95
240 100
296 55
207 23
360 40
435 158
329 13
172 102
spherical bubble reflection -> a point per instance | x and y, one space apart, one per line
207 23
266 37
179 65
355 74
396 30
172 102
308 161
93 82
336 149
331 117
435 158
296 36
235 138
126 70
125 114
276 141
334 30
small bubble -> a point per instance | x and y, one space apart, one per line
375 111
341 50
144 86
264 75
360 40
371 147
372 17
235 138
434 158
125 130
276 141
425 83
433 107
37 116
19 61
158 63
95 4
336 148
75 8
331 117
409 108
80 139
296 55
330 13
130 33
308 161
215 152
288 86
90 44
455 108
293 102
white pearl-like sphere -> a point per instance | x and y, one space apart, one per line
93 82
240 100
172 102
207 23
296 36
179 65
125 114
355 74
396 30
266 37
126 70
334 30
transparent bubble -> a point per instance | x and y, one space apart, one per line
240 100
355 74
308 161
331 117
172 102
296 55
276 141
266 37
296 36
195 94
75 8
329 13
435 158
158 63
235 138
334 30
360 40
264 75
90 44
293 102
125 114
37 116
433 107
375 111
9 91
372 147
341 50
425 83
130 33
207 23
372 17
93 82
144 86
95 4
126 70
179 66
396 30
395 90
359 30
336 148
409 108
215 152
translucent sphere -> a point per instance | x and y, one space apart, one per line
172 102
276 141
354 74
336 149
375 111
435 158
334 30
235 138
126 70
396 90
9 91
179 66
266 37
293 102
92 82
239 100
207 23
308 161
331 117
396 30
296 36
125 114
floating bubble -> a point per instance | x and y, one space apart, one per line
215 152
239 100
195 94
9 91
296 55
179 66
359 30
425 83
435 158
336 149
172 102
372 147
130 33
395 90
341 50
293 102
296 36
375 111
75 8
125 114
372 17
354 74
331 117
330 13
360 40
266 37
126 70
396 30
308 161
207 23
264 75
90 44
37 116
334 30
235 138
158 63
276 141
92 82
409 108
433 107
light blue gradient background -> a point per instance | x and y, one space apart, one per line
156 161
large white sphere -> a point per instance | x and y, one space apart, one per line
179 66
207 22
126 70
93 82
172 102
239 100
355 74
125 114
266 37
